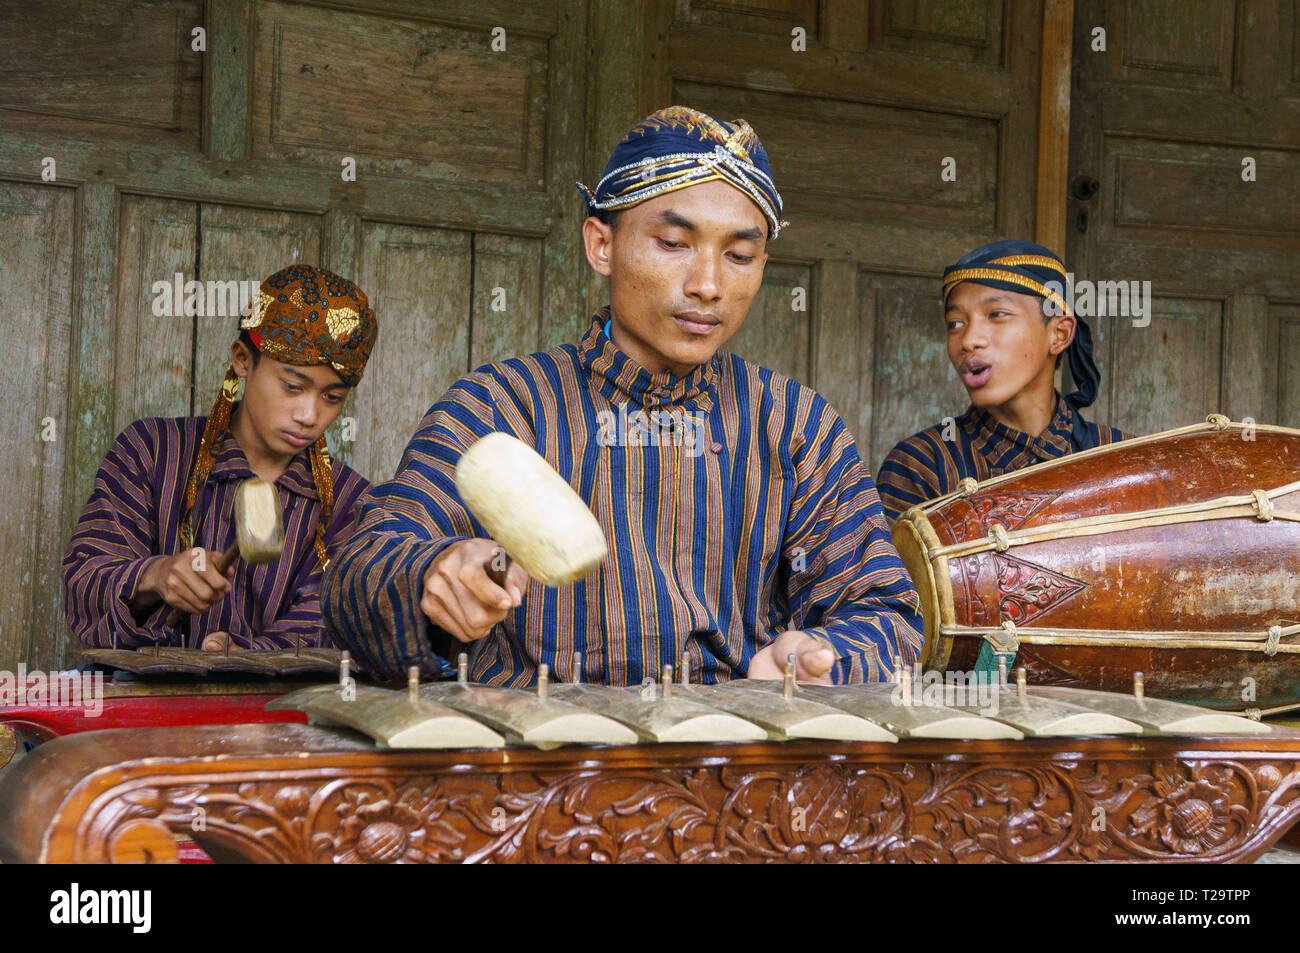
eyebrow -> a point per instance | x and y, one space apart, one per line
983 301
301 376
670 217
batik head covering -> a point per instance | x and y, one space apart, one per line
304 316
1028 268
678 147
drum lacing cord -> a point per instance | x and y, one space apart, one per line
1218 422
1274 638
1270 644
1263 504
998 533
1004 639
1225 507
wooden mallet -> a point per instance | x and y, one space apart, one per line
259 531
530 511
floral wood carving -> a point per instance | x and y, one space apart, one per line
1033 810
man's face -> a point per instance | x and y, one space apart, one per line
1000 343
288 406
683 269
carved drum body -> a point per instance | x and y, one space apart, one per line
1175 555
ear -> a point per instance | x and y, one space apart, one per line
597 238
241 358
1060 333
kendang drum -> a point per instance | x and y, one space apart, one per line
1176 555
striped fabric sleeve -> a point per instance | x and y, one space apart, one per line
909 476
371 593
853 590
301 623
112 546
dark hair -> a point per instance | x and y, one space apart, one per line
246 339
608 216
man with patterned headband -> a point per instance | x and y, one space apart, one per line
752 535
160 512
1009 323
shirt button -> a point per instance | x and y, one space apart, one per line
716 448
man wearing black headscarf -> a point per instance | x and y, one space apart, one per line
1009 322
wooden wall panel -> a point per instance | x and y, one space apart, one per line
418 280
155 353
913 385
1183 43
1288 371
752 16
1162 121
964 30
507 317
242 244
114 67
865 162
36 243
1167 374
1201 188
402 97
774 334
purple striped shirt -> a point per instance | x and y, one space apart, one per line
769 521
131 520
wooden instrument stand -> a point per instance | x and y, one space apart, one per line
307 794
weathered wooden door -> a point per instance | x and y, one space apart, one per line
427 149
1185 173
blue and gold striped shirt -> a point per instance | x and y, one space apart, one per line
767 521
926 465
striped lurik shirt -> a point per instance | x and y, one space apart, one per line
770 522
131 520
925 465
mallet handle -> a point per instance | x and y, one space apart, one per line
497 575
221 565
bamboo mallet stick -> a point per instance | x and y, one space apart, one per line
259 531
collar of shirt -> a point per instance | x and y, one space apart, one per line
229 463
620 379
988 434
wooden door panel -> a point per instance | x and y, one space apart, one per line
1288 372
418 280
1163 120
507 298
774 334
1184 44
403 96
866 162
36 243
242 244
154 372
962 30
114 68
1166 374
913 385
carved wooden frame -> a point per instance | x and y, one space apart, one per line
310 795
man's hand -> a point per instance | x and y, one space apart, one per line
187 580
216 642
461 598
812 658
